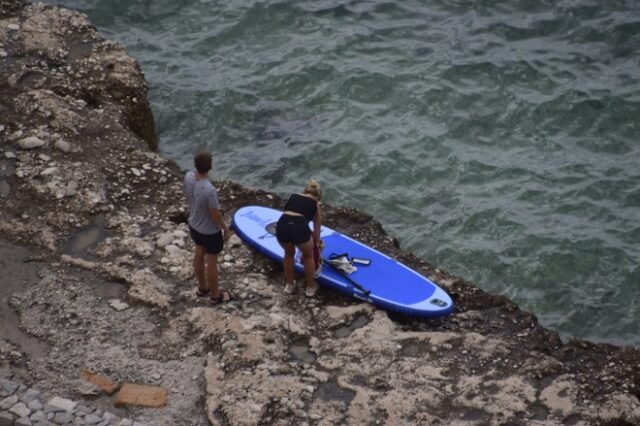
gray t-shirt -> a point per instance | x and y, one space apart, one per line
201 196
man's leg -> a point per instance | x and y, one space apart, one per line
198 266
212 275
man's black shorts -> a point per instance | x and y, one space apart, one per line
212 243
293 229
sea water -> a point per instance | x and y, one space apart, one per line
497 140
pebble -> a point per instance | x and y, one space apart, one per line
20 410
2 125
9 402
89 389
179 234
49 171
62 403
171 249
164 240
30 142
13 27
35 405
3 54
21 406
92 419
7 387
63 145
118 305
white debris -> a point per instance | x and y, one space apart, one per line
118 304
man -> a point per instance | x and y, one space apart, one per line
208 230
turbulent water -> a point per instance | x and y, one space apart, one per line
498 140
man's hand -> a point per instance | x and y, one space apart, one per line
226 234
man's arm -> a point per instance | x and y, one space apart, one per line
217 218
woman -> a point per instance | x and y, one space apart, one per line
293 231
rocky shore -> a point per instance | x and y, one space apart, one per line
95 272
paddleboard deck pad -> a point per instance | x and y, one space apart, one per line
384 282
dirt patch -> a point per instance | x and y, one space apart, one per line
20 267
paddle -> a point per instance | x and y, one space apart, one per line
271 230
344 274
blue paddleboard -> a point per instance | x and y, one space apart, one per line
390 284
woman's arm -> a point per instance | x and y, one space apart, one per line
317 221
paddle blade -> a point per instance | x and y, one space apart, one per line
271 228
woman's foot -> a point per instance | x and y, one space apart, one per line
201 293
289 288
223 297
311 291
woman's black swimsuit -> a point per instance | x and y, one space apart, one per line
295 229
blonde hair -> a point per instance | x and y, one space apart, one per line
313 188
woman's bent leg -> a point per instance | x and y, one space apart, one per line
309 265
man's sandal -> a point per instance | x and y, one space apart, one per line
201 293
223 297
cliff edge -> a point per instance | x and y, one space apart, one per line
96 275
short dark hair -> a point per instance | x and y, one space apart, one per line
202 161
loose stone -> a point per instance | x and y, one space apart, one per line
20 410
62 418
118 305
35 405
9 402
164 240
62 404
49 171
92 419
7 387
30 142
13 27
30 395
63 145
